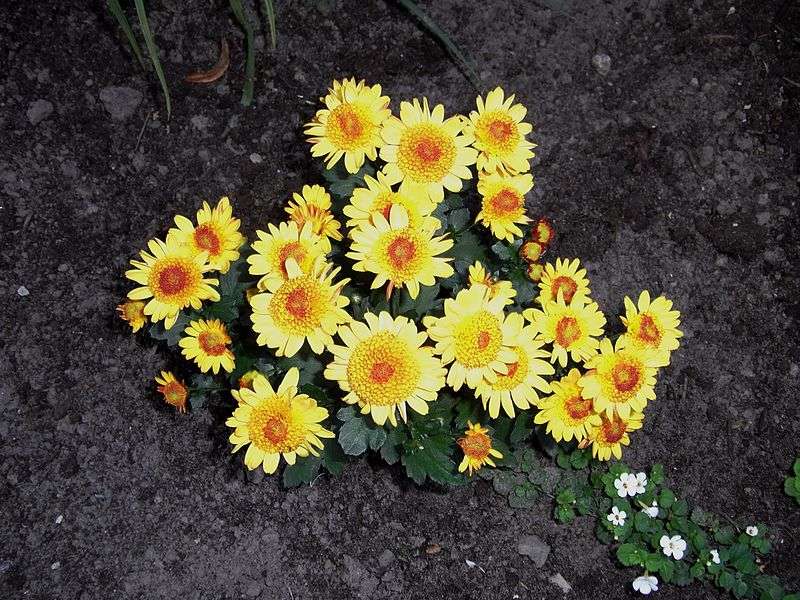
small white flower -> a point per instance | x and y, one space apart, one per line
673 546
651 511
751 530
641 483
617 516
715 557
645 584
627 484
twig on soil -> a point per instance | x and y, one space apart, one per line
794 83
291 595
141 132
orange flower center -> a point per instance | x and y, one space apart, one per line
626 377
512 369
276 429
381 372
212 342
293 250
174 393
428 150
568 331
207 239
173 279
483 339
297 303
500 130
426 153
648 330
506 201
578 407
476 445
401 251
567 286
613 430
349 127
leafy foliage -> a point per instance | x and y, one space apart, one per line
791 485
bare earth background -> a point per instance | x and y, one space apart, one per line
676 171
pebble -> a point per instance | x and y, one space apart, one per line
200 122
23 291
534 548
39 110
386 558
255 158
55 566
602 63
59 519
559 581
120 102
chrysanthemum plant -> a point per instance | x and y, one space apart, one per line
403 310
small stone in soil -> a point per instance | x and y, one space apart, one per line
39 110
602 63
22 291
534 548
120 102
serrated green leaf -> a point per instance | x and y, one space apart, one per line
796 467
301 472
172 335
666 499
333 458
563 461
631 555
341 183
791 485
395 438
657 474
564 514
467 249
579 459
356 435
458 218
428 458
566 497
427 300
680 508
521 429
725 534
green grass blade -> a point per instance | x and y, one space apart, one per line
250 61
437 32
152 50
115 9
269 9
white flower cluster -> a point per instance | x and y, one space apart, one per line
628 484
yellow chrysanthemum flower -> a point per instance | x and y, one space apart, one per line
246 380
207 342
132 312
174 392
572 329
620 380
378 197
383 367
171 276
399 253
503 204
350 124
566 277
498 288
477 447
428 153
216 233
277 423
651 326
499 132
518 386
304 307
313 206
608 438
474 336
287 240
567 413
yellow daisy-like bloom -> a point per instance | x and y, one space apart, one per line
477 447
498 288
611 434
651 326
378 197
499 132
216 233
287 240
399 253
304 307
383 367
566 277
572 329
474 336
314 206
503 204
428 153
350 124
207 342
277 423
246 380
174 392
620 380
567 413
518 386
171 276
133 313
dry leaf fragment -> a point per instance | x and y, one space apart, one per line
215 72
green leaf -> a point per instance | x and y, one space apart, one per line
680 508
458 218
725 535
428 457
631 555
269 10
390 451
152 50
356 435
250 49
564 514
524 495
115 9
333 458
563 461
565 497
504 251
726 580
682 576
521 428
301 472
426 301
172 335
791 485
341 183
796 467
697 570
231 294
666 499
657 474
579 459
306 363
467 249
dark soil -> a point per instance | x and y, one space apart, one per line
676 171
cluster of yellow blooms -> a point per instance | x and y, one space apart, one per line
384 364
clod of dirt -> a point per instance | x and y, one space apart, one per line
561 583
534 548
38 111
120 102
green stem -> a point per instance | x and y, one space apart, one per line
152 50
250 60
